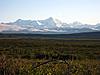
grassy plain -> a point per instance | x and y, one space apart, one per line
49 56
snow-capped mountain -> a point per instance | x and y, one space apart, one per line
47 25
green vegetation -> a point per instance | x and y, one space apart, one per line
49 57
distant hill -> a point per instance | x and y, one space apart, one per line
86 35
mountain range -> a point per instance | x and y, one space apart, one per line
48 25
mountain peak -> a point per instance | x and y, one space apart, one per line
77 23
50 18
18 20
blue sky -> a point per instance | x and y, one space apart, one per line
85 11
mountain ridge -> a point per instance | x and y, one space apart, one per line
48 25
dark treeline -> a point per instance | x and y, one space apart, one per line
86 35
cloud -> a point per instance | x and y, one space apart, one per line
4 27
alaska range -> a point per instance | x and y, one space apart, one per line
48 26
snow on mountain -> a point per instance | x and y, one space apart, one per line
58 22
48 25
39 23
